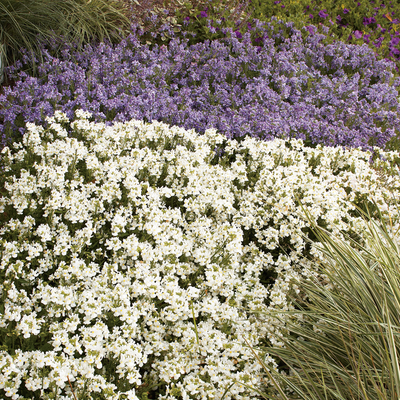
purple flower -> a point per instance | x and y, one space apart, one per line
203 14
266 91
310 29
394 41
339 18
277 2
346 11
238 34
358 34
311 16
323 14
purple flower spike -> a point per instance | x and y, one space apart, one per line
323 14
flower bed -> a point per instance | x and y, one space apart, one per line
333 94
133 256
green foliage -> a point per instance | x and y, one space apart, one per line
342 18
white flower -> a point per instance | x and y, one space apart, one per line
120 274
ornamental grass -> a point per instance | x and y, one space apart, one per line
345 344
25 23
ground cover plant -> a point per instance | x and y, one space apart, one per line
369 22
375 23
132 255
336 94
345 344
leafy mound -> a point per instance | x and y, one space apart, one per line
133 255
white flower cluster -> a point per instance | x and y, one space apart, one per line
133 261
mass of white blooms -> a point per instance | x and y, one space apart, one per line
134 257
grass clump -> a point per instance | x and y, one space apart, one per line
23 24
345 345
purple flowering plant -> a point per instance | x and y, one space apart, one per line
335 94
348 17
